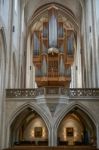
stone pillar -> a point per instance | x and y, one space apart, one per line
96 14
2 119
78 66
89 60
34 83
7 136
73 76
31 67
97 130
93 45
28 63
95 17
88 41
50 138
54 140
9 45
2 87
53 137
84 51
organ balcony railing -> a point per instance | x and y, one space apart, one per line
58 91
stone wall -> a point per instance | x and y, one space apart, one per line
52 116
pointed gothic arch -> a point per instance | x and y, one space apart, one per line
42 10
65 111
70 107
21 109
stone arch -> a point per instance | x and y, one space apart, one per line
20 109
70 107
40 10
40 4
33 106
65 111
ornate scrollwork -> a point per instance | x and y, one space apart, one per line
64 91
20 93
84 92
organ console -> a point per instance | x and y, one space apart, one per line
53 51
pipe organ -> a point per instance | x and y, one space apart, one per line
52 27
53 51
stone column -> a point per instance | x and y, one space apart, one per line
31 66
2 87
72 85
89 45
93 46
78 67
84 50
97 130
53 137
9 45
50 137
28 63
54 133
2 119
7 136
96 18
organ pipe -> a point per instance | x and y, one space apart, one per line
52 28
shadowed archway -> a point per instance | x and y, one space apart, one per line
76 128
28 128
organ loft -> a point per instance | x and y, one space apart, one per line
54 45
49 74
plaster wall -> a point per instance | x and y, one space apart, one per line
70 123
29 133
